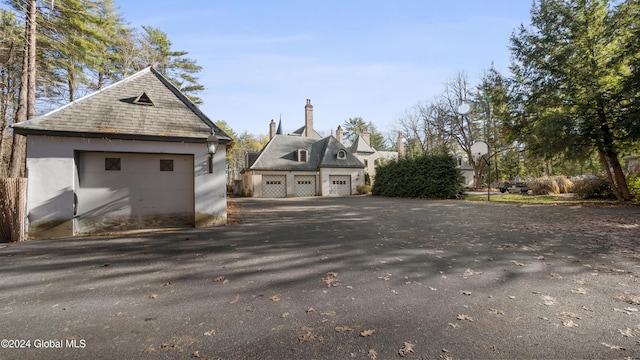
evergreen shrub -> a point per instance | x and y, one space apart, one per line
633 182
432 176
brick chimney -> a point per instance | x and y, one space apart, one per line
366 136
400 146
339 134
272 129
308 119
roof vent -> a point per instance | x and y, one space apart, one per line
143 99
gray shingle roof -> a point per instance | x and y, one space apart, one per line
113 112
281 154
301 132
361 146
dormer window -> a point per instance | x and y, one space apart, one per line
143 99
342 154
303 155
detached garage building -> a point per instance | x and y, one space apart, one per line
134 155
302 164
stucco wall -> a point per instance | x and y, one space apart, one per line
51 170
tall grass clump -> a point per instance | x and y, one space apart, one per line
565 185
544 186
593 187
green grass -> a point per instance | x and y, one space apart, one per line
537 199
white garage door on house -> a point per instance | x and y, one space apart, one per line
305 185
274 186
340 185
117 191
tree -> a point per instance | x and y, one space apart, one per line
111 53
11 55
574 85
27 96
464 129
156 51
423 127
73 39
355 126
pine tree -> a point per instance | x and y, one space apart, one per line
571 80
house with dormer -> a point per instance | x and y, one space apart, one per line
134 155
302 163
370 157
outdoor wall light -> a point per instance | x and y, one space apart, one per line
212 146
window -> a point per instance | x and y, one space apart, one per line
166 165
303 155
112 164
366 162
342 154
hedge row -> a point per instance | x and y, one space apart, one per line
433 176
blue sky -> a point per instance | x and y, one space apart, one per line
371 59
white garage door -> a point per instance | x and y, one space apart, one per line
118 191
274 186
305 185
340 185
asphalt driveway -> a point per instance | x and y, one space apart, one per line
336 278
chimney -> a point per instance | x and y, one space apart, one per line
339 134
365 136
308 118
272 129
400 146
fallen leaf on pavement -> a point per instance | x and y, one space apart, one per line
275 298
549 300
366 333
373 355
496 312
471 272
209 333
309 336
627 333
330 279
613 347
343 328
464 317
579 291
568 315
153 296
406 349
569 323
632 299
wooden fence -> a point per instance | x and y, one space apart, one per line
13 204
